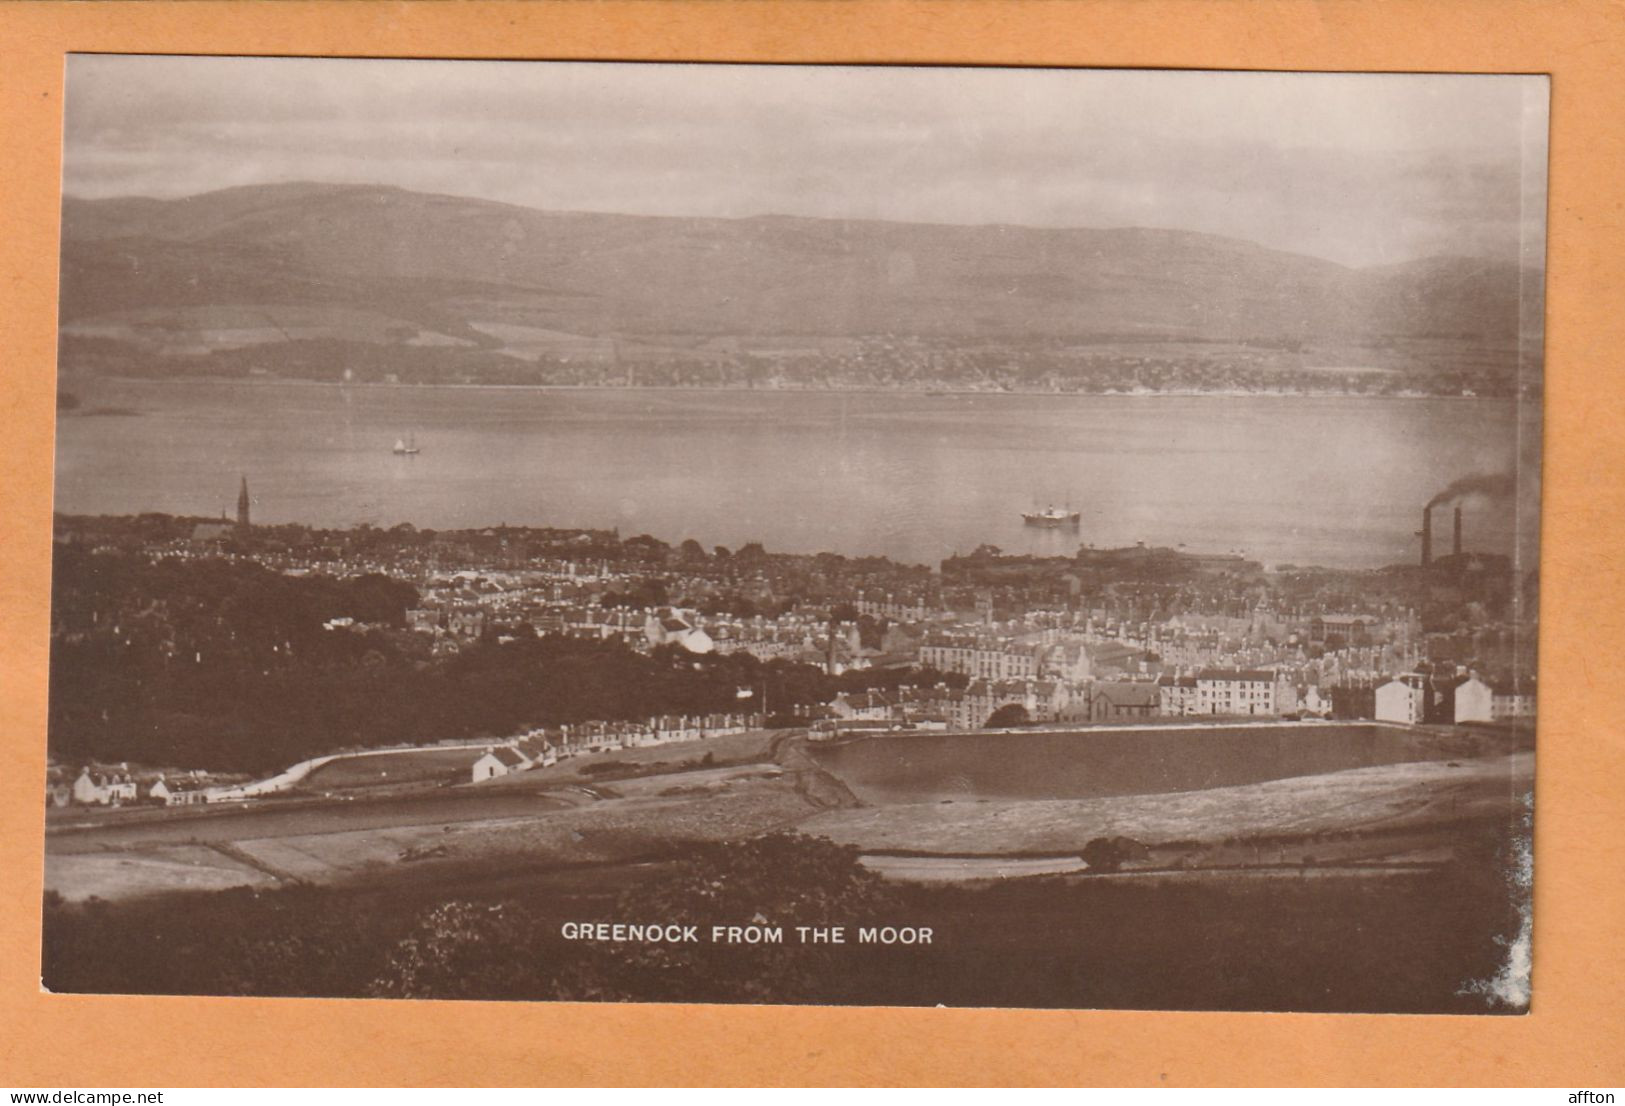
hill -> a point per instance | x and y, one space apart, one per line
271 264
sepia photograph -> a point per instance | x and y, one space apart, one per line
791 534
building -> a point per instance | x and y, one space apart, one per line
670 627
982 698
103 790
1473 701
1068 661
1043 700
1176 695
242 510
1315 701
465 622
863 706
980 661
186 794
1403 699
86 789
1120 700
212 533
500 761
1340 630
1228 691
1512 701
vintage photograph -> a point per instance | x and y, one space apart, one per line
791 534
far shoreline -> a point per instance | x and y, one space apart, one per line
918 393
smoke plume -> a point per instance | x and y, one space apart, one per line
1493 485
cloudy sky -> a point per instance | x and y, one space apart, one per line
1361 169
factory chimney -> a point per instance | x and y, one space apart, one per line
1426 534
1455 546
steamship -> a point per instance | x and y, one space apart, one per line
1052 517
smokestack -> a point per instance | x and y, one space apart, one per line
1426 534
1455 545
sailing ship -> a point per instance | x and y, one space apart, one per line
406 448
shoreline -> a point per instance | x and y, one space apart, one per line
919 393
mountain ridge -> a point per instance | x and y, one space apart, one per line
462 270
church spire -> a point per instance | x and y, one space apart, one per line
242 507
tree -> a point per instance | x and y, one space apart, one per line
779 881
843 612
467 950
1011 714
1104 854
647 544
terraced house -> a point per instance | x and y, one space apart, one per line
1228 691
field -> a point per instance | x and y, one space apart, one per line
635 805
434 765
535 820
1235 894
1427 942
1385 798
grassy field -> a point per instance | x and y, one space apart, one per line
429 765
129 874
631 820
570 822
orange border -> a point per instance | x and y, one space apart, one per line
1576 1034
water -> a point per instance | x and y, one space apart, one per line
1103 763
1325 480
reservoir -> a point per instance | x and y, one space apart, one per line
1093 764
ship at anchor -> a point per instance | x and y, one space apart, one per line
1052 517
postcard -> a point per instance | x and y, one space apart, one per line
908 536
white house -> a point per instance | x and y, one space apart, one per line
116 787
498 762
669 627
87 790
1473 701
865 706
1402 699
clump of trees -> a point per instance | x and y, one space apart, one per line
1007 716
511 950
227 666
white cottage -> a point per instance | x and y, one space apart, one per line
498 762
1403 699
1473 701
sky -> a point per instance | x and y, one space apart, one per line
1362 169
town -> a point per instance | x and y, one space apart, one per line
836 646
1131 364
